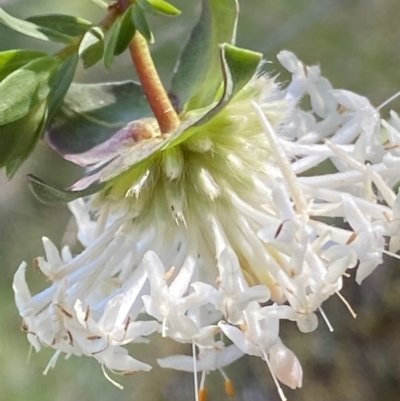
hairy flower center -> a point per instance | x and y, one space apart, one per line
221 168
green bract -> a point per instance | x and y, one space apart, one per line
109 127
109 161
92 113
198 77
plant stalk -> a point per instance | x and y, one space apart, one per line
154 90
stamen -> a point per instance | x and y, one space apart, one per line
279 388
52 362
196 385
384 189
29 356
66 313
116 384
102 220
352 237
386 102
344 300
229 388
393 255
138 186
203 392
209 185
283 163
164 327
169 273
328 323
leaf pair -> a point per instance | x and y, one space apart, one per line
133 19
93 48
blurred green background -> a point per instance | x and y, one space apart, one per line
357 44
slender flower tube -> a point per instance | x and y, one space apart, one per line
222 236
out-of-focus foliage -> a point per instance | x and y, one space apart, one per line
356 44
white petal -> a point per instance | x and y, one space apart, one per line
117 358
21 291
285 365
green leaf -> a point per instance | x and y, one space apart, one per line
64 24
140 22
91 114
51 195
239 66
12 60
126 32
34 30
26 87
109 53
91 49
18 139
197 78
62 82
158 6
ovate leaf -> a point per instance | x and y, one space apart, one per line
238 67
109 53
62 82
65 24
18 138
52 195
91 48
12 60
91 114
26 87
198 77
158 6
126 32
140 22
34 30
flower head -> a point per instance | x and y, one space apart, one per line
220 235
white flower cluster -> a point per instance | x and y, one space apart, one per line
233 241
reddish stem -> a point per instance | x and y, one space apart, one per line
153 88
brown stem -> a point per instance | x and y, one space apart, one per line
153 88
110 18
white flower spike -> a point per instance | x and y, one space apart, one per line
222 236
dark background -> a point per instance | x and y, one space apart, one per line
357 44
